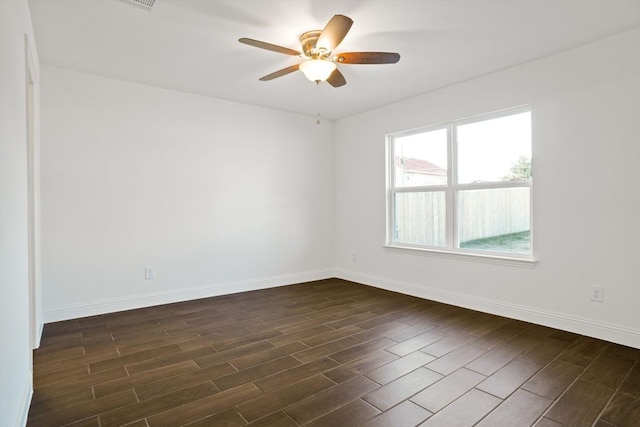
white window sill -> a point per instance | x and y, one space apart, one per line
465 256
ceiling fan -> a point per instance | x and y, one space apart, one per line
317 50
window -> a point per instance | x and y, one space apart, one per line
463 187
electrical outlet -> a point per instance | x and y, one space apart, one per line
354 258
149 273
596 293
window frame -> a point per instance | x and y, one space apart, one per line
451 191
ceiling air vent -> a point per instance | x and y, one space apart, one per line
142 4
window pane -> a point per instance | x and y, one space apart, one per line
420 218
496 220
421 159
495 150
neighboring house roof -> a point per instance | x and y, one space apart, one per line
412 165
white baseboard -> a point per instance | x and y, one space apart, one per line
601 330
112 305
579 325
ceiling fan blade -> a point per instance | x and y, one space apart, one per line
280 73
367 58
336 79
269 46
334 32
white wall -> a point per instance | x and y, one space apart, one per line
219 197
15 322
586 194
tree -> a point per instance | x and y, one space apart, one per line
520 171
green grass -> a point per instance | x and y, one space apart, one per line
512 243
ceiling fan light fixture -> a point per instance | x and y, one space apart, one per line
318 70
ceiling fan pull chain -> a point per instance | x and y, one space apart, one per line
318 102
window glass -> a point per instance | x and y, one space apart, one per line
420 218
495 220
421 159
495 150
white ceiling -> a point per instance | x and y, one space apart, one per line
191 45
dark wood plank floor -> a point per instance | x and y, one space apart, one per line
327 353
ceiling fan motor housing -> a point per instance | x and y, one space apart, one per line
308 41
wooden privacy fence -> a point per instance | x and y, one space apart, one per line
490 213
421 217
